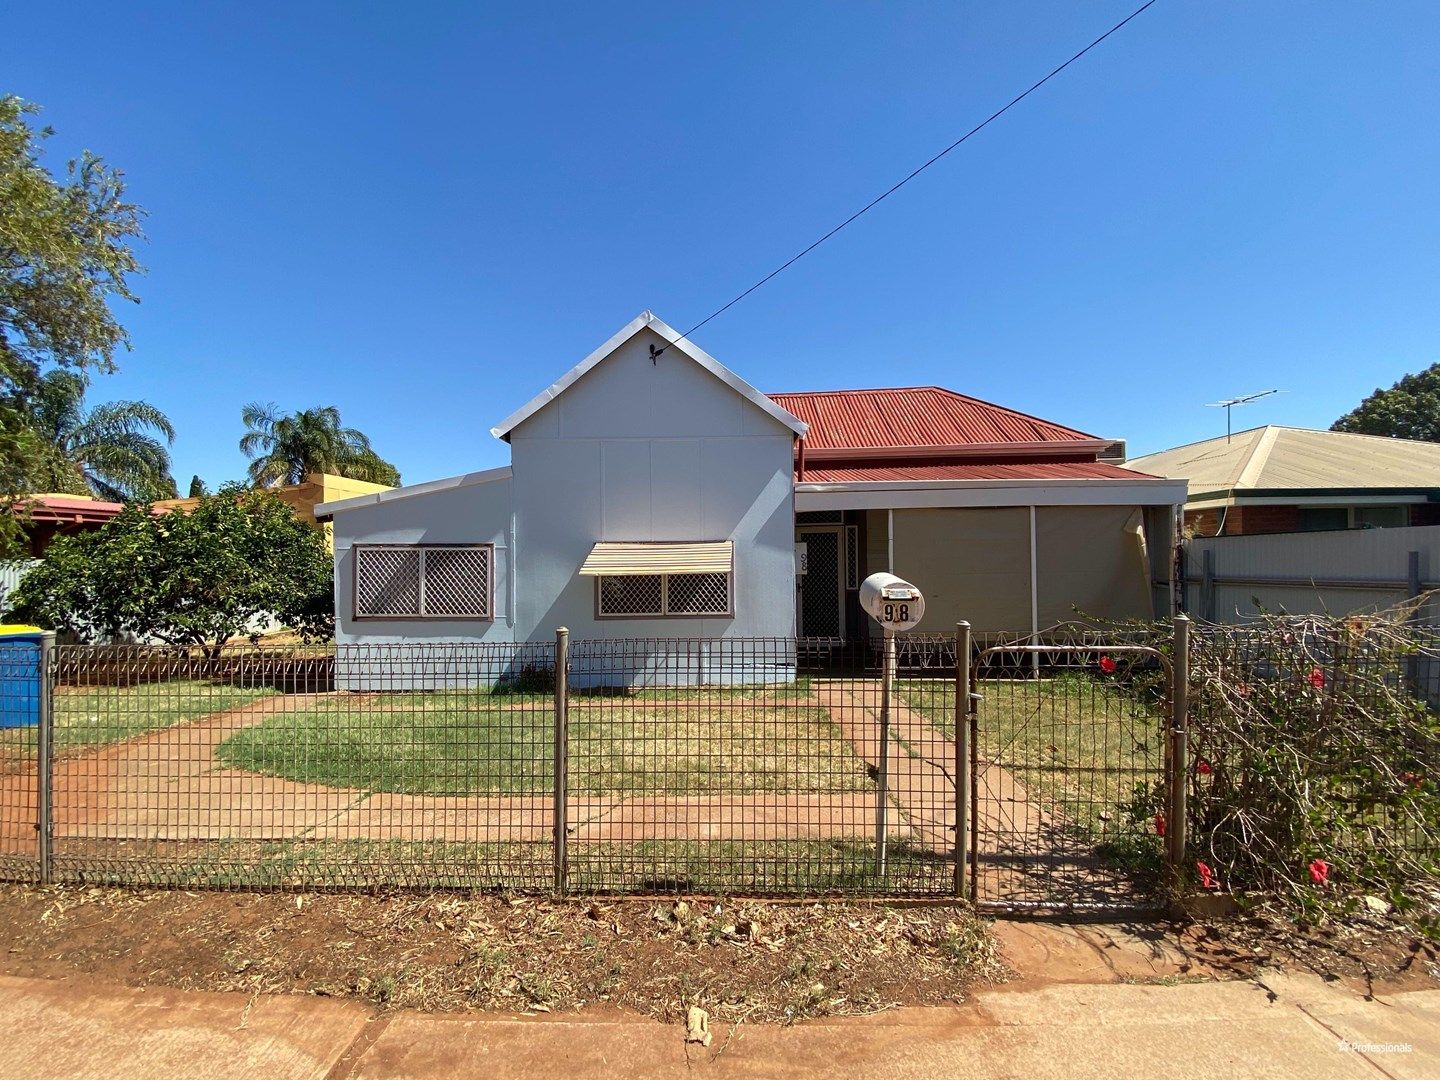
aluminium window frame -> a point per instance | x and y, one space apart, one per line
356 616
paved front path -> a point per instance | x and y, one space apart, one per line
1275 1026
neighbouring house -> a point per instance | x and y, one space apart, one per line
47 516
1284 479
653 493
44 517
52 515
303 498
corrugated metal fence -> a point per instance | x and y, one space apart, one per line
11 571
1230 578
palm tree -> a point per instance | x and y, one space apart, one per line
110 451
285 449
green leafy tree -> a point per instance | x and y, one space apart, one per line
110 450
284 449
1408 410
220 571
65 253
197 487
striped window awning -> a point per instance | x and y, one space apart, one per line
618 558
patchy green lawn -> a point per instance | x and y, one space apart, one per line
1081 743
475 743
90 717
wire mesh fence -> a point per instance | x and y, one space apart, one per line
760 766
20 710
746 765
1070 737
254 768
700 765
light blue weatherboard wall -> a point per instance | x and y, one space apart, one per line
632 450
391 654
476 513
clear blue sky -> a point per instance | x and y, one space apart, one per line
423 213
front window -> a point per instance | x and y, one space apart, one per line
637 596
395 581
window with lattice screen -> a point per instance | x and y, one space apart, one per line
697 594
660 595
632 594
430 582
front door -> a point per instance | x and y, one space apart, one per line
820 606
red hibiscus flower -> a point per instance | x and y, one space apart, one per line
1203 767
1319 871
1317 678
1159 824
1207 876
1107 665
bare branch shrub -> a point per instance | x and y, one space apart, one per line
1314 759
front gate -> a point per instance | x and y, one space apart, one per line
1070 746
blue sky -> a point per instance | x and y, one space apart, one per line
424 213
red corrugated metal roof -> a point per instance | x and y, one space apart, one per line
1029 470
914 416
68 508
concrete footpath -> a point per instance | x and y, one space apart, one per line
1276 1025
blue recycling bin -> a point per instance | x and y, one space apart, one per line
19 676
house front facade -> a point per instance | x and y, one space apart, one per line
653 493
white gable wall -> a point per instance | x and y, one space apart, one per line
642 450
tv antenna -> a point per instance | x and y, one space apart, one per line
1230 403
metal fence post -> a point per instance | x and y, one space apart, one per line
1177 808
882 779
962 754
973 725
45 760
1413 590
1207 586
562 770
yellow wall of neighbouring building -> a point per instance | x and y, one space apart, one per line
303 498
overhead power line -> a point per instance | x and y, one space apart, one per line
896 187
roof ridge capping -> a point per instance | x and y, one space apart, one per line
686 347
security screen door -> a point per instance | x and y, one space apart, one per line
822 599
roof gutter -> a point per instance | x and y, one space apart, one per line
327 511
942 485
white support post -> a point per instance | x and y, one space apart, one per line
1034 595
